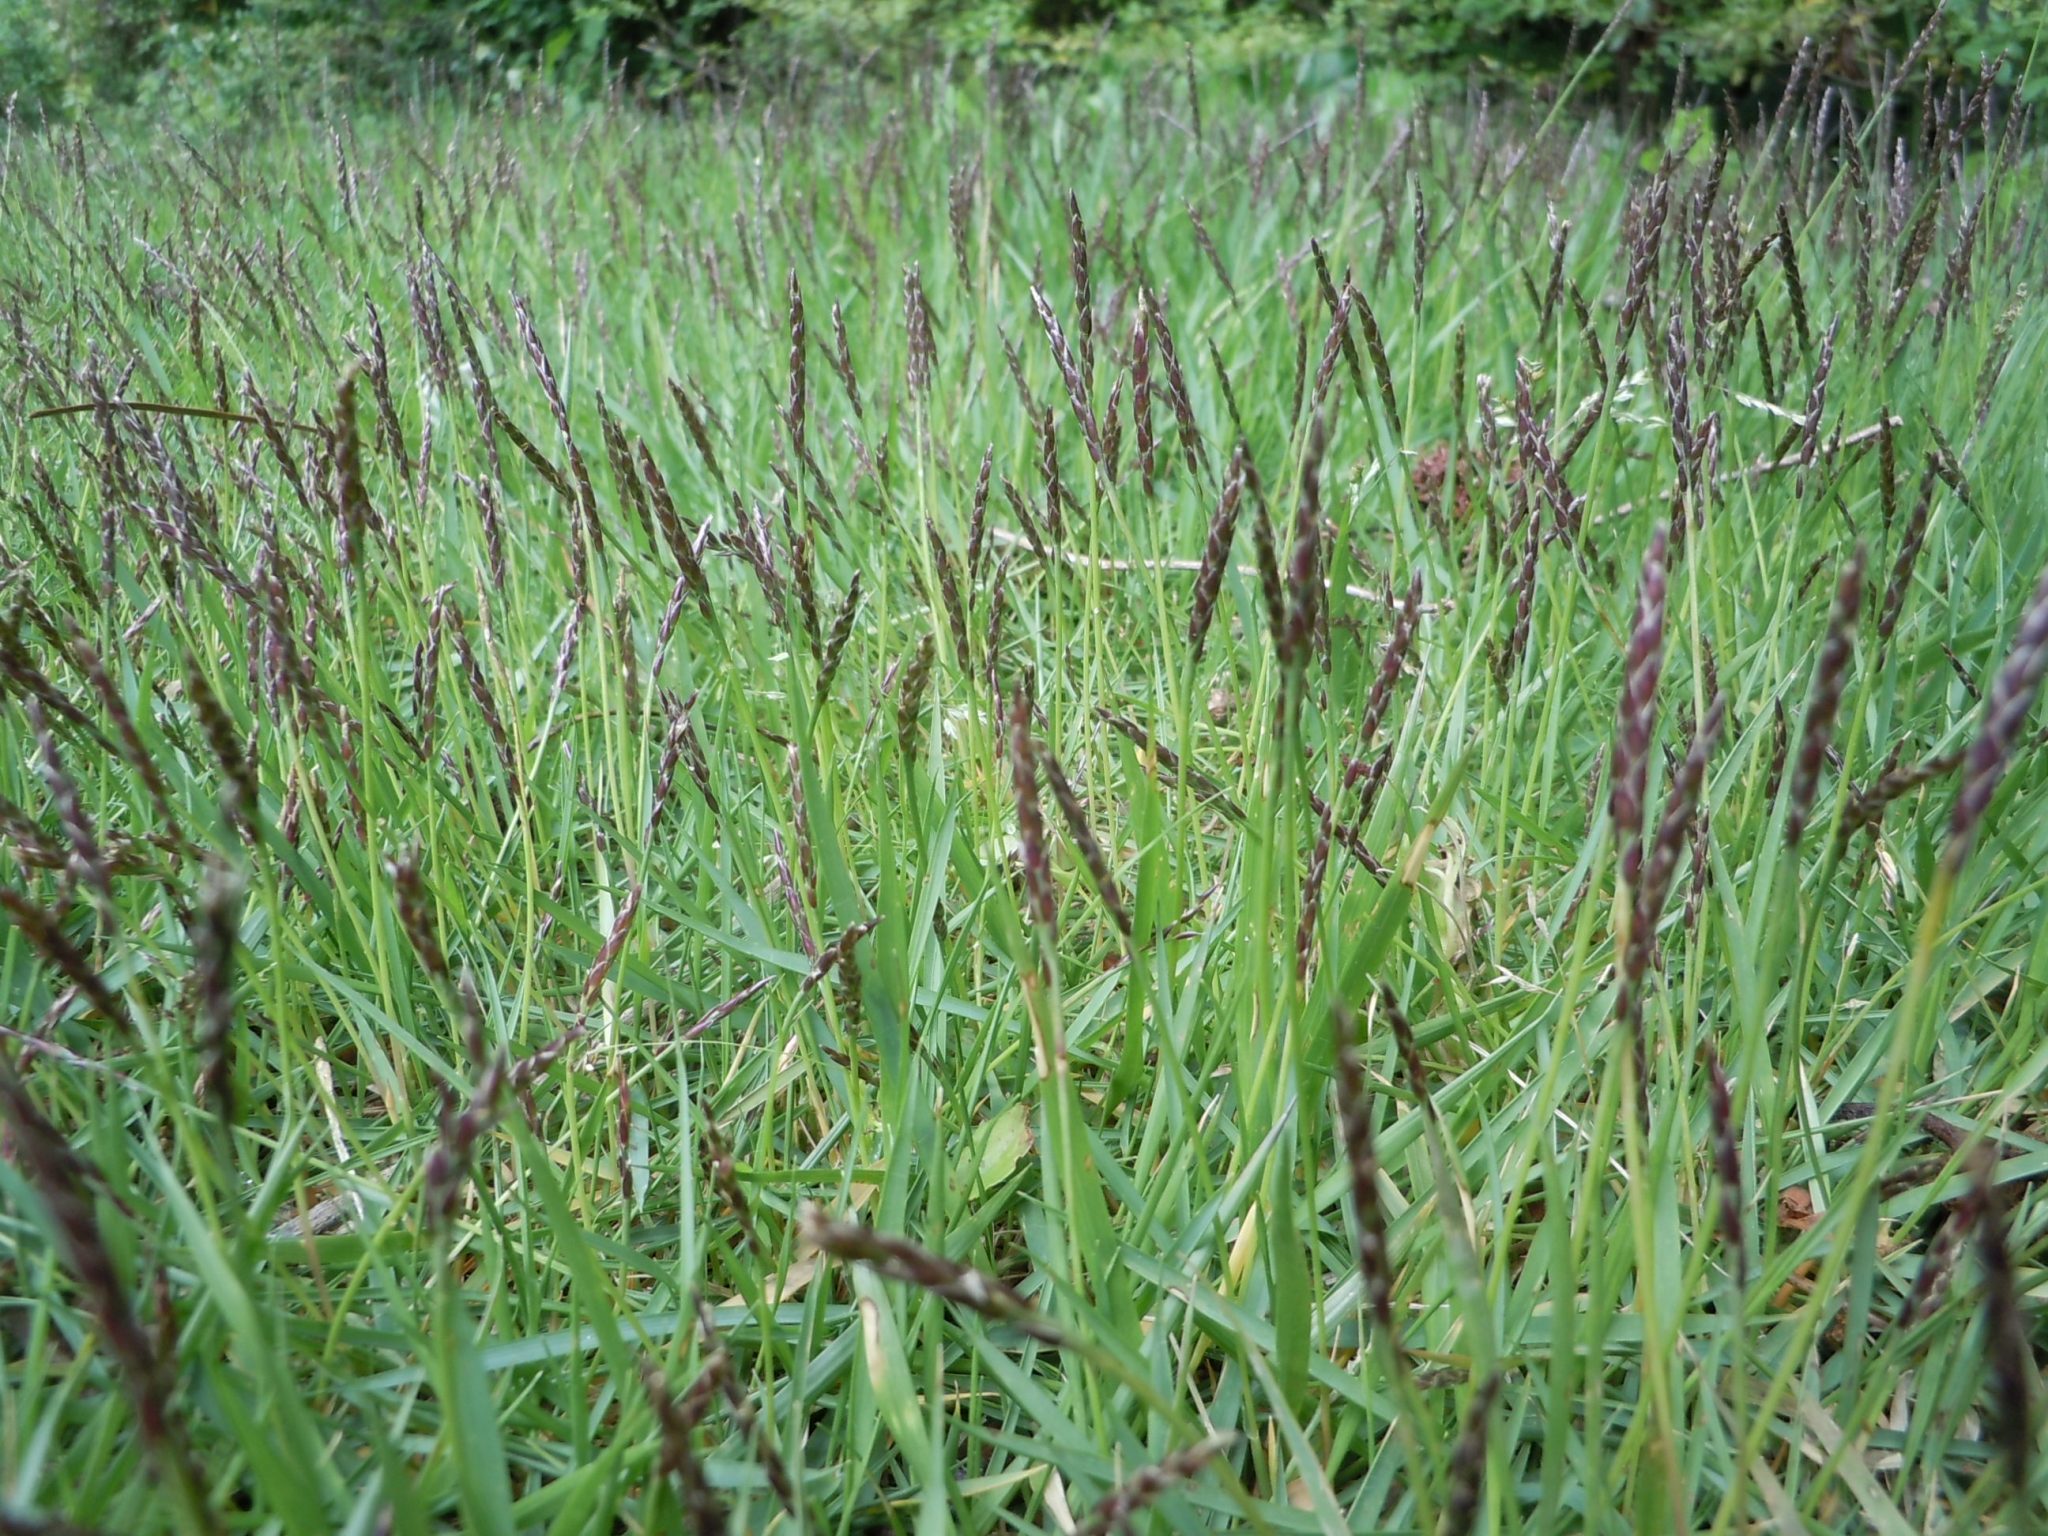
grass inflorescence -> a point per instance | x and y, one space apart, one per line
545 989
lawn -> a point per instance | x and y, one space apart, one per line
991 802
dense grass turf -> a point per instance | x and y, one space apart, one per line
555 980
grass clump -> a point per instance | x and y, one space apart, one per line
543 990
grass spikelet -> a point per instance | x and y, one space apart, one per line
917 320
1629 769
2008 1348
703 1514
1468 1460
1075 815
898 1259
1830 677
1070 374
1354 1112
910 692
725 1177
463 1123
1215 556
1123 1504
1727 1169
1795 290
1084 292
214 938
799 390
1031 847
700 436
835 643
1376 349
2005 713
59 1178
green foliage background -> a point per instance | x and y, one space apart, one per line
67 58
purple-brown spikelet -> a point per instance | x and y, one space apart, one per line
1675 826
977 519
1407 1048
1056 497
1910 543
1376 349
1326 364
2007 1346
703 1515
1930 1281
133 753
899 1259
1816 401
2005 713
1113 428
415 915
1208 249
585 499
60 1178
1407 613
1866 806
949 595
725 1177
238 791
751 1424
1339 338
1143 444
1084 293
619 454
1304 566
675 535
1123 1504
803 578
608 953
87 862
1266 556
1468 1460
1223 383
1354 1115
910 692
992 632
45 934
1215 556
842 362
1070 374
700 435
1075 815
793 407
462 1124
1727 1168
622 1131
684 725
1031 847
835 643
1629 768
1795 290
1830 677
1525 598
1191 445
214 935
351 501
917 321
1312 895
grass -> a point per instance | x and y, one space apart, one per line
598 941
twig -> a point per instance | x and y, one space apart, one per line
165 408
1074 557
1855 439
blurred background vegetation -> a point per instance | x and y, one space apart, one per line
64 59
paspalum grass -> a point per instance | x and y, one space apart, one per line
544 989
